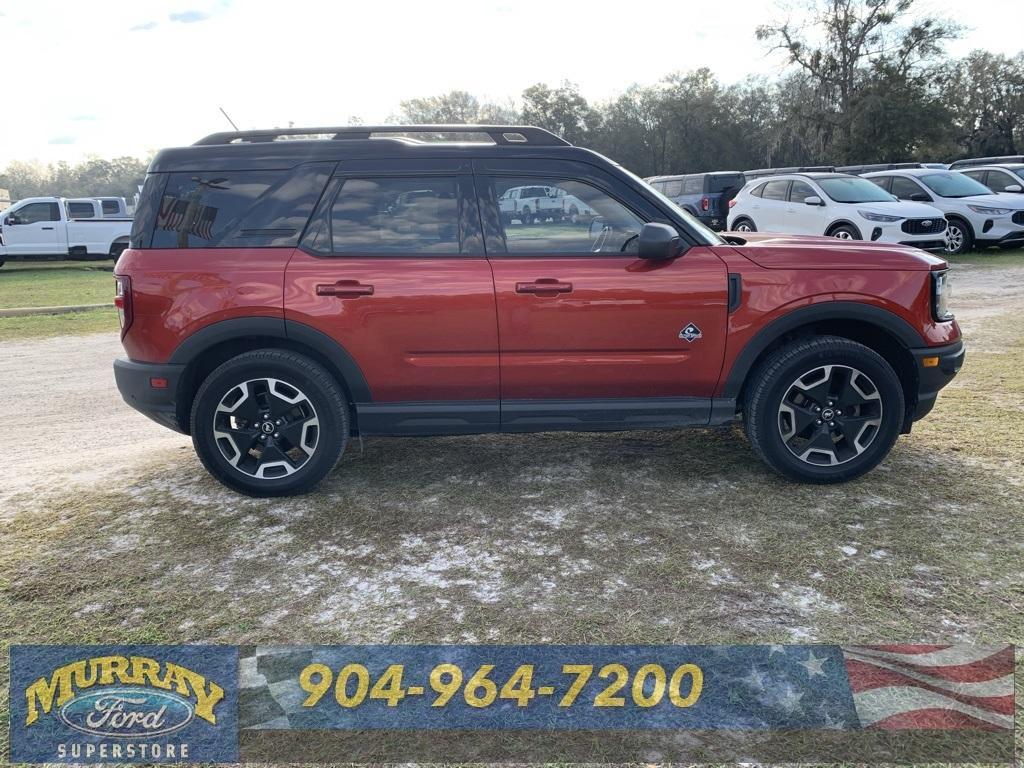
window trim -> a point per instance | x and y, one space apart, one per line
486 179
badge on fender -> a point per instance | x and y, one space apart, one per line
690 333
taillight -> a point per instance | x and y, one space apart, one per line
705 204
732 202
123 300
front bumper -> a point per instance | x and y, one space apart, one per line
135 383
933 377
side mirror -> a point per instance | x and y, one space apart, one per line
1013 188
921 197
658 242
7 221
813 200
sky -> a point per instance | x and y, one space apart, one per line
126 77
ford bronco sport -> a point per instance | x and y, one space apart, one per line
281 296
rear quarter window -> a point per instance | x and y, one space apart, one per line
236 209
720 183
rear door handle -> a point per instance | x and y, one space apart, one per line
46 228
545 285
344 289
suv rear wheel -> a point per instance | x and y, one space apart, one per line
743 225
270 423
824 410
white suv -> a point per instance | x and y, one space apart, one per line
836 205
976 214
998 178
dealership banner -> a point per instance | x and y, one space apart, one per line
491 703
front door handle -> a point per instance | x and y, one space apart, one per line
545 285
46 228
344 289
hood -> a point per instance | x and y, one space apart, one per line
807 252
997 200
906 208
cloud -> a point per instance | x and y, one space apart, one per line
63 140
143 27
83 118
189 17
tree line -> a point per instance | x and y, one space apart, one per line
867 81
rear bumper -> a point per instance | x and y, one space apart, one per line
134 382
932 378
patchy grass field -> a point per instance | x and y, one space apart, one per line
56 284
71 324
118 535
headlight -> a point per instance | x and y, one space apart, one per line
880 217
984 209
940 296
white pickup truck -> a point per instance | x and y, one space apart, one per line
529 204
37 228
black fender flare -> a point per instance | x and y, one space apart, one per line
885 320
276 328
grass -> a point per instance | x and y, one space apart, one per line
55 284
990 257
42 326
663 537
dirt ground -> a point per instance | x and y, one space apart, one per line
111 531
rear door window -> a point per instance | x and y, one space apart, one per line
775 190
81 210
673 188
397 215
111 207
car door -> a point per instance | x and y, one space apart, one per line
773 211
800 217
591 336
34 229
400 281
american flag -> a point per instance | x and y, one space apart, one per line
172 213
931 686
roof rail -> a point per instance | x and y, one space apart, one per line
499 134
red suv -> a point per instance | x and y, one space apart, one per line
280 296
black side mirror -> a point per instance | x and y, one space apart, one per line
921 197
7 221
658 242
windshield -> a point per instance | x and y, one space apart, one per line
704 234
847 189
954 185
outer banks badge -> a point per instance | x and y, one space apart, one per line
124 703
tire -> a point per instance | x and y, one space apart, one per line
525 216
117 249
281 386
845 232
790 393
743 224
958 237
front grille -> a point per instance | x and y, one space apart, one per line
924 226
1018 217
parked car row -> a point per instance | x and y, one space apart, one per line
47 227
971 203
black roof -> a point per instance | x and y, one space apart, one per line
277 149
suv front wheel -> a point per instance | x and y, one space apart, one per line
270 423
824 410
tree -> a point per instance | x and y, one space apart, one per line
987 94
448 108
562 110
839 43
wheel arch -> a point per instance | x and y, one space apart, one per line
963 220
217 343
889 335
841 223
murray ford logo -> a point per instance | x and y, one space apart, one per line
127 713
124 697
